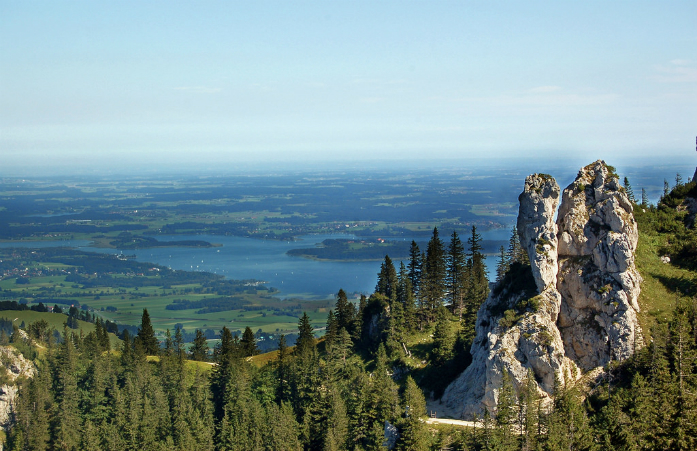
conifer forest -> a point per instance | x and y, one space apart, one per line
373 380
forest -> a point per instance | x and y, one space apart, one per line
366 383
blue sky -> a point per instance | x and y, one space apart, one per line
107 85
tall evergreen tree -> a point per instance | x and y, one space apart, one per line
199 350
67 425
629 191
455 272
432 286
282 368
249 343
306 338
516 253
414 435
146 335
443 339
345 312
506 414
405 296
414 266
502 265
387 279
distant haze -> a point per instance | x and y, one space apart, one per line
141 86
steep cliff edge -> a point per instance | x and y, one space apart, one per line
574 308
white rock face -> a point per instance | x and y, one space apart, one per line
537 229
533 342
597 278
13 365
584 311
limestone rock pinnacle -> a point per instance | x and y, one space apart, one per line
581 312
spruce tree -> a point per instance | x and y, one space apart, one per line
306 339
414 266
455 272
506 414
387 279
414 435
67 425
345 312
443 340
405 296
249 343
629 191
199 350
146 335
502 265
432 286
332 329
282 364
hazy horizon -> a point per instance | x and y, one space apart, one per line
130 86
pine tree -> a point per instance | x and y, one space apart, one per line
414 266
529 413
505 414
443 340
345 312
249 343
281 432
405 297
199 350
414 435
455 271
644 198
146 335
332 329
221 376
67 425
358 320
502 265
382 399
306 339
282 364
387 279
568 425
516 253
477 284
629 191
432 285
337 423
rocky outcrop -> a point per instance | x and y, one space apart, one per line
597 277
537 229
13 365
578 309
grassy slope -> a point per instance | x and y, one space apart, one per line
55 320
663 283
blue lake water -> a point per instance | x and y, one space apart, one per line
247 258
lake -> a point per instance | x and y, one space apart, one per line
248 258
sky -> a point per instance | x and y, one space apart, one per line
106 85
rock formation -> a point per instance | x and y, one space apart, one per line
12 365
574 308
597 277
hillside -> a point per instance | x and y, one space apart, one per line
365 383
